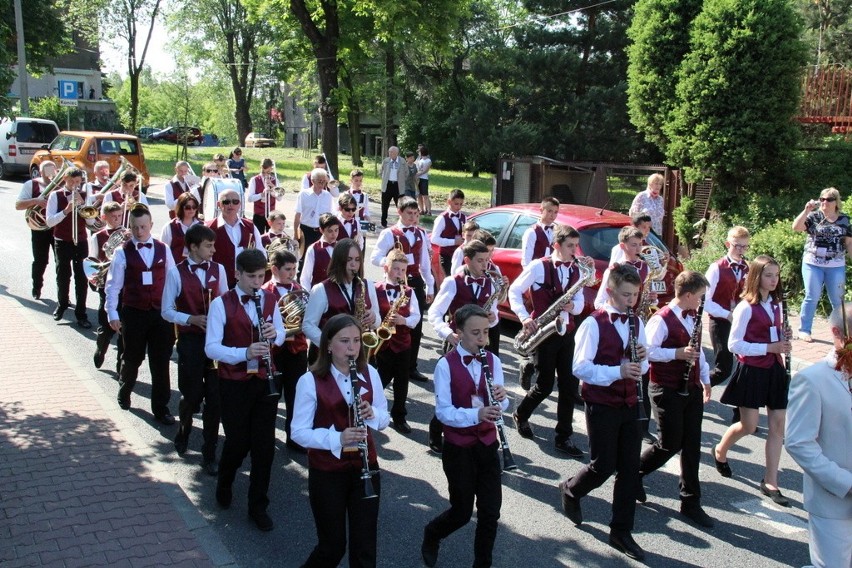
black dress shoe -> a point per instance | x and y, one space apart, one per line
774 494
36 294
210 467
570 506
623 541
418 376
181 441
436 445
695 513
262 520
523 427
649 438
402 426
429 551
124 404
223 496
98 359
722 467
84 323
166 419
641 496
58 312
568 448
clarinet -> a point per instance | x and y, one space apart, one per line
634 358
366 474
785 325
271 373
695 340
508 460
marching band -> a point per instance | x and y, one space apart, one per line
256 314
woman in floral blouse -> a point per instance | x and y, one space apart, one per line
651 202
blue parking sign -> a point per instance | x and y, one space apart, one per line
67 90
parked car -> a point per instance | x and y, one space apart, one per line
20 139
86 148
146 132
177 135
598 230
258 140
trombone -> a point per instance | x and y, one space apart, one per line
75 209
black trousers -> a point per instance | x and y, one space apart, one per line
646 402
394 367
248 417
388 195
615 440
447 264
720 330
198 382
555 356
69 257
418 285
679 422
472 473
260 223
105 333
291 366
42 242
337 497
310 236
146 331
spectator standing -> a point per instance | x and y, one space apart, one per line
237 165
650 202
424 164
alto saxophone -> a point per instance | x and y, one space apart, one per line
499 290
369 339
387 328
550 321
653 257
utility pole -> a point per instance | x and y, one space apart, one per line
22 61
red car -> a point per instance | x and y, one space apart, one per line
598 230
177 134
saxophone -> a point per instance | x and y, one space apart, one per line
550 321
369 339
499 290
387 328
652 256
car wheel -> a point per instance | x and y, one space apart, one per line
2 169
34 173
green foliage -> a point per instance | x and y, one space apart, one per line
779 241
49 108
712 248
738 89
682 216
828 26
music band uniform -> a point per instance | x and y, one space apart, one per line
726 277
231 240
67 255
104 333
42 241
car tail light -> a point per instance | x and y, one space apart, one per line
90 155
13 150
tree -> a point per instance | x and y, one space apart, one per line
737 92
660 40
828 25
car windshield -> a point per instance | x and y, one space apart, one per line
121 146
597 242
66 142
35 132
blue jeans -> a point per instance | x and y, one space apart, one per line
815 278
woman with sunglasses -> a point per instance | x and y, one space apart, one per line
823 263
186 215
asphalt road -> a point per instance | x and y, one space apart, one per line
750 531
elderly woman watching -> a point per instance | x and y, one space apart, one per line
650 201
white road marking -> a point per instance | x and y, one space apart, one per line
772 515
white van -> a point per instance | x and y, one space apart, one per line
20 138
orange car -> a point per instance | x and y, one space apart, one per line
84 149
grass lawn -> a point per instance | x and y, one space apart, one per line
291 164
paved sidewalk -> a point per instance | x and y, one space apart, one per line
77 487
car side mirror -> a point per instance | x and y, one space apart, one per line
9 135
45 146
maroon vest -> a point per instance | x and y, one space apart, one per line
643 269
728 290
401 339
63 230
550 289
177 189
542 246
36 188
178 244
299 343
461 390
670 373
610 352
102 237
464 294
414 250
361 201
225 251
757 331
450 231
346 227
257 186
134 293
337 302
322 258
241 332
334 411
193 298
267 238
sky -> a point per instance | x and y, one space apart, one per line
160 61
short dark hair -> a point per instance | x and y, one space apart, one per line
129 176
639 218
140 210
456 194
409 154
407 203
74 173
327 220
621 273
467 311
280 256
266 163
346 199
111 206
356 173
199 233
319 158
550 201
276 214
484 236
561 233
250 260
690 281
473 248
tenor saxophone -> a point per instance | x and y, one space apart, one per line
550 321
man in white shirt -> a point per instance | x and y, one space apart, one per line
394 176
310 204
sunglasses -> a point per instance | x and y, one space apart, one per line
190 207
211 171
741 247
230 202
828 199
351 209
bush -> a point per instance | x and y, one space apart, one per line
682 216
779 241
712 250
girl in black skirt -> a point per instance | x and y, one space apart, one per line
758 340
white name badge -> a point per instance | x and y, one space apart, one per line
773 334
657 286
147 278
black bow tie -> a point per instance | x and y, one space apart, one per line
548 227
689 313
246 298
407 229
205 266
468 359
143 245
471 280
356 191
738 266
455 215
326 245
350 221
391 288
565 263
616 317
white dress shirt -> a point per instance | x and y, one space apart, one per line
657 332
440 224
454 416
235 233
306 279
386 242
616 255
736 340
141 198
117 269
311 206
712 275
586 348
528 242
172 289
441 305
532 278
216 321
305 407
54 215
413 306
318 305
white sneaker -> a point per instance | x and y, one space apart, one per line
806 337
